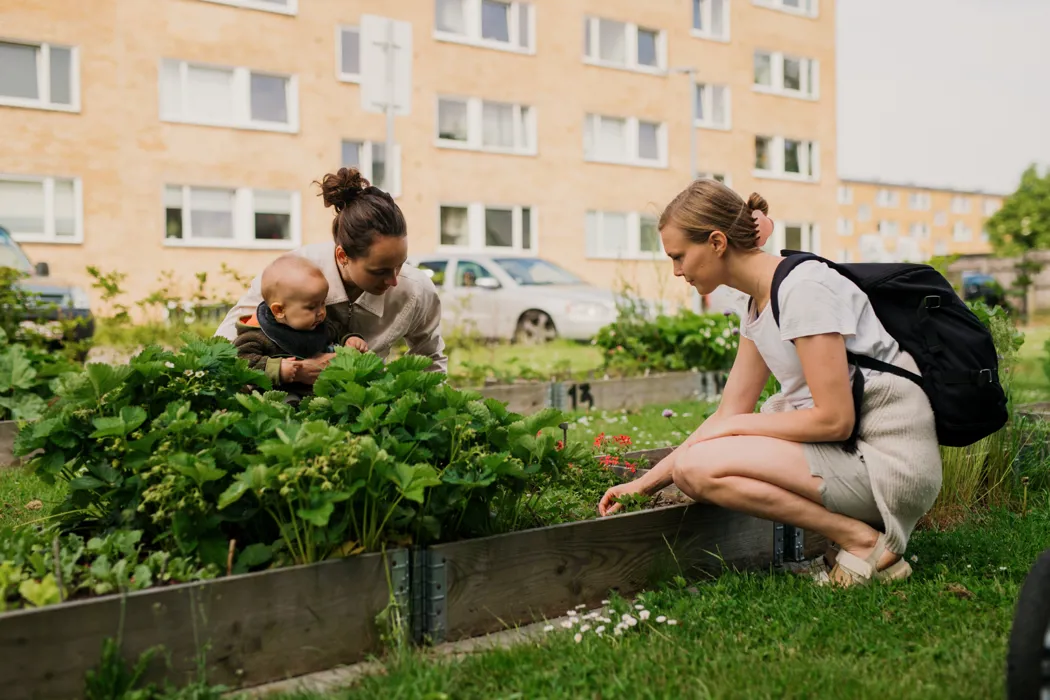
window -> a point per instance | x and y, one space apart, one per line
43 76
985 237
864 213
789 159
711 19
919 230
889 228
794 236
231 97
940 248
42 209
284 7
224 217
786 75
712 106
348 54
960 204
845 226
607 42
486 126
809 8
919 201
991 206
717 177
370 158
845 255
487 227
845 194
624 140
961 232
435 270
488 23
940 218
622 235
887 199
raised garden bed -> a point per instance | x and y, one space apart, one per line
8 433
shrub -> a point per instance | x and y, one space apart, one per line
684 341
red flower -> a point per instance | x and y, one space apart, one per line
559 445
600 440
624 440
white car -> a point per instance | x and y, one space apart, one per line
526 299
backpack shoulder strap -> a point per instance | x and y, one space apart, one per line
792 259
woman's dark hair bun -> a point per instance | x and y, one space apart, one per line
341 188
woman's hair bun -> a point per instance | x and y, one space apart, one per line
341 188
757 201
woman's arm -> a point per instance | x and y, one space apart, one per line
425 336
830 419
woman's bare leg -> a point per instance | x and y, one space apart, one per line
769 478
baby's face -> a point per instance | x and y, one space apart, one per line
304 308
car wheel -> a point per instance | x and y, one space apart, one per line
1028 657
535 328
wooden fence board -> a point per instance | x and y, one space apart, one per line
501 581
524 398
633 392
261 627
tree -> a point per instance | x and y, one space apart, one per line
1022 227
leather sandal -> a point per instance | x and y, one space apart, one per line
850 570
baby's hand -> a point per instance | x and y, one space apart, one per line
358 344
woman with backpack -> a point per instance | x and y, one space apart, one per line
861 478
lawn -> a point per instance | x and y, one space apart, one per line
24 497
1031 382
942 634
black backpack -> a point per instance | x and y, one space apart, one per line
954 351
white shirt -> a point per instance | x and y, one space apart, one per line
814 299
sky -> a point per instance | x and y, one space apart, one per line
943 93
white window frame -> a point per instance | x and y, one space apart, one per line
393 164
291 9
961 232
940 218
708 96
920 201
43 78
888 199
889 228
594 250
339 74
49 236
592 53
844 225
725 178
810 236
476 228
845 255
243 221
990 206
776 172
591 125
845 194
472 19
919 230
864 213
809 79
706 14
242 98
961 204
524 127
812 12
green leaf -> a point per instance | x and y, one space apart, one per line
40 593
130 418
369 419
253 555
105 378
413 481
317 516
16 371
85 483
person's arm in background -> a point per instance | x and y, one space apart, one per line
424 338
245 306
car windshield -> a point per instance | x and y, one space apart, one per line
11 255
533 271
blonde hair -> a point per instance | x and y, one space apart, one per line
707 206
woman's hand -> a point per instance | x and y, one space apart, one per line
608 504
311 368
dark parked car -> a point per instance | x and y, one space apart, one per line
52 300
980 286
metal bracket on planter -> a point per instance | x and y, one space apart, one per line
401 581
428 597
555 395
788 544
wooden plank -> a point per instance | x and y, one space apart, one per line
518 578
633 392
8 433
261 627
524 398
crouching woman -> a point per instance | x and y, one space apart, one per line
798 460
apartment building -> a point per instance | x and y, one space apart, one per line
882 221
185 134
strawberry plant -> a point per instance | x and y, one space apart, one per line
27 375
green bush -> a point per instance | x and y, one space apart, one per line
684 341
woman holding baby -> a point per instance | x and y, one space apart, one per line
354 290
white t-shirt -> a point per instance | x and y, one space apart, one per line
814 299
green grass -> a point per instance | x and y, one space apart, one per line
942 634
646 426
505 361
18 488
1030 381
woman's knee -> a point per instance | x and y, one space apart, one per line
695 468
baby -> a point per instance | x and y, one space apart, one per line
290 323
